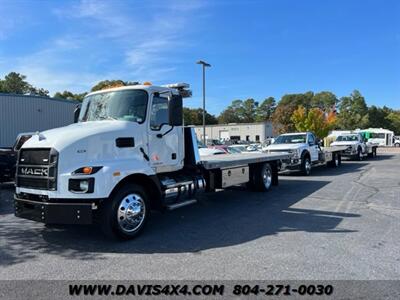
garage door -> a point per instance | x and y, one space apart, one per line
224 134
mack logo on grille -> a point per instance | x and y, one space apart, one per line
35 171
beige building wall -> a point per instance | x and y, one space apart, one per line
245 131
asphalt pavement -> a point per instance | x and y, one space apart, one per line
335 224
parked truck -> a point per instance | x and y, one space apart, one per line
8 158
356 146
128 153
305 152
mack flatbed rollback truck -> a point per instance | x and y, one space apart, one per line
128 153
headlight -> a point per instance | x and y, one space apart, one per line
82 185
295 153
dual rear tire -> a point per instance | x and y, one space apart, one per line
261 178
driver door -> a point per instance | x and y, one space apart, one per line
165 141
313 146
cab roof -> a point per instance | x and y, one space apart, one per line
296 133
150 88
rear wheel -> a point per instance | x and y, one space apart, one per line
306 165
336 160
124 215
374 154
262 178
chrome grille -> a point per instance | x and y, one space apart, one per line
37 169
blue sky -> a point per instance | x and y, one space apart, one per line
256 48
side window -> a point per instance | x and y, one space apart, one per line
159 113
311 139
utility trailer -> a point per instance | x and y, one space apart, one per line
305 152
128 154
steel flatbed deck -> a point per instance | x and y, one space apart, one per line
221 161
333 148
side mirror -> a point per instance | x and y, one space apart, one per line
77 111
175 112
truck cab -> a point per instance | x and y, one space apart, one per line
127 154
303 148
8 158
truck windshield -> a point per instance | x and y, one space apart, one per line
291 139
125 105
346 138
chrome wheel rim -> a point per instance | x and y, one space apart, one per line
131 212
360 155
336 162
308 166
267 178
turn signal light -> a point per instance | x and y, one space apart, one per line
87 170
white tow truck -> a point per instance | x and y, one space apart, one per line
305 151
128 154
357 147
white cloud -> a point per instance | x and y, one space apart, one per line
111 40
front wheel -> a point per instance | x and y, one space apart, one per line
359 155
124 215
306 166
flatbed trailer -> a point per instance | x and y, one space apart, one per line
231 169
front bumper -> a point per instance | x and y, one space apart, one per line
291 164
54 211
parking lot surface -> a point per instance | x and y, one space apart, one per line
335 224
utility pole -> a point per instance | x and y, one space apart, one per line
204 65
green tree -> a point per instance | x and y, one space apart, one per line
104 84
15 83
70 96
394 119
281 118
314 120
378 117
324 100
195 117
353 112
265 110
239 112
303 99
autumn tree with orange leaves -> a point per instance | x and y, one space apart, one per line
314 120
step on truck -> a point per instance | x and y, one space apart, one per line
356 146
305 152
127 154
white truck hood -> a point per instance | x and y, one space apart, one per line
284 147
61 137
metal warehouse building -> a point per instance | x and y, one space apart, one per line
22 113
254 132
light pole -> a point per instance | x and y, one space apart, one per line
204 64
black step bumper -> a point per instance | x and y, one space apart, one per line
54 212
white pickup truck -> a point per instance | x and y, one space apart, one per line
305 151
396 141
357 147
